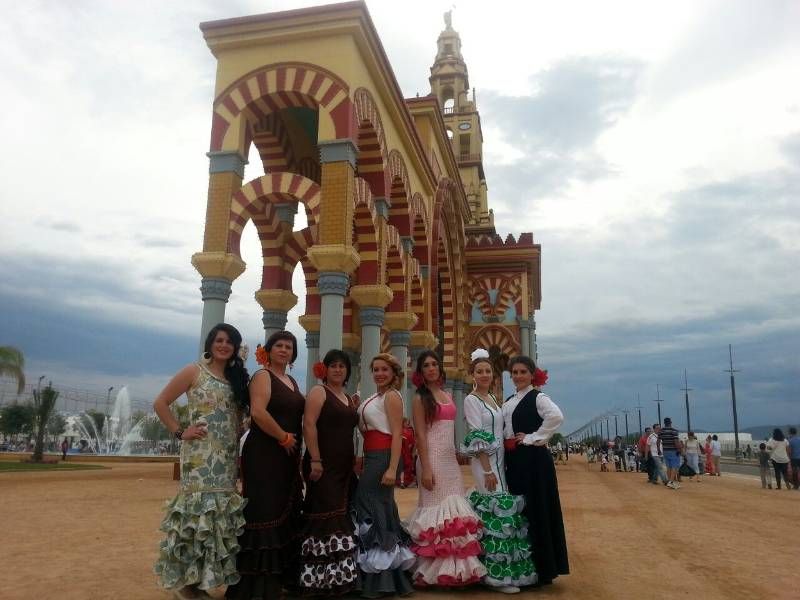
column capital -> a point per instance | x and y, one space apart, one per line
524 323
408 243
458 385
338 151
333 282
400 321
310 323
351 341
371 316
312 339
221 265
371 295
215 288
381 207
283 300
399 338
274 319
286 212
223 161
334 257
423 339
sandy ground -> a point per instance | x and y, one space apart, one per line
94 534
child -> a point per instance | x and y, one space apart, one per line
763 466
604 462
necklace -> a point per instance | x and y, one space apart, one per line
486 399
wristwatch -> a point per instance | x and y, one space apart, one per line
178 434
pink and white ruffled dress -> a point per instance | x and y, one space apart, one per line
444 528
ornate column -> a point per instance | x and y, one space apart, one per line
534 346
355 371
219 269
312 345
524 336
371 300
333 256
399 325
413 354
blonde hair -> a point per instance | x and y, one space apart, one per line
390 360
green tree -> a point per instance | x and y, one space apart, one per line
153 429
57 424
98 417
12 363
557 437
16 419
43 401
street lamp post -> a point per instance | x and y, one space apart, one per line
608 431
686 389
627 433
108 398
616 426
733 402
658 400
639 407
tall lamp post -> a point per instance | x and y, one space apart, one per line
627 433
733 401
608 431
686 389
659 401
616 426
639 407
108 398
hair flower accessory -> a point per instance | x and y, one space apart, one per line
539 377
244 352
479 353
262 357
320 370
417 379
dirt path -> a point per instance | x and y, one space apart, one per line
94 534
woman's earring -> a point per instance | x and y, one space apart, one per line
207 357
231 362
291 365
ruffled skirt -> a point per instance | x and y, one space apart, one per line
383 554
504 539
200 544
446 544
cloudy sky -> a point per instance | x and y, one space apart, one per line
655 146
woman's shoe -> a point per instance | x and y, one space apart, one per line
507 589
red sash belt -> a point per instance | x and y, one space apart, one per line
377 440
510 444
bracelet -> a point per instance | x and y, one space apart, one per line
287 441
178 433
488 472
316 460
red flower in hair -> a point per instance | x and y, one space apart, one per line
320 370
417 379
539 377
262 357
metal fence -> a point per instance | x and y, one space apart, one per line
71 400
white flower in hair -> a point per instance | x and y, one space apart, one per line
479 353
244 352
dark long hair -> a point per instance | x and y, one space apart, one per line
235 373
425 394
777 435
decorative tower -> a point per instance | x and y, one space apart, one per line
450 84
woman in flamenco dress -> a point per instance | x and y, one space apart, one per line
444 527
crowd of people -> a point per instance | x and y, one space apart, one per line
665 457
307 523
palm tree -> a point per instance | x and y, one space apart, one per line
44 402
12 363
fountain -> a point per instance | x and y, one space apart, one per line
117 434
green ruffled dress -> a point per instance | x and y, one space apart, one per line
203 521
504 535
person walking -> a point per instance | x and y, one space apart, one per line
444 527
708 451
530 419
671 448
716 454
328 550
269 559
692 450
505 545
644 457
203 520
779 454
384 556
655 453
64 448
794 448
764 467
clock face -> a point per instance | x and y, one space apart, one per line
464 126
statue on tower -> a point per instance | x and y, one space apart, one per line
448 19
